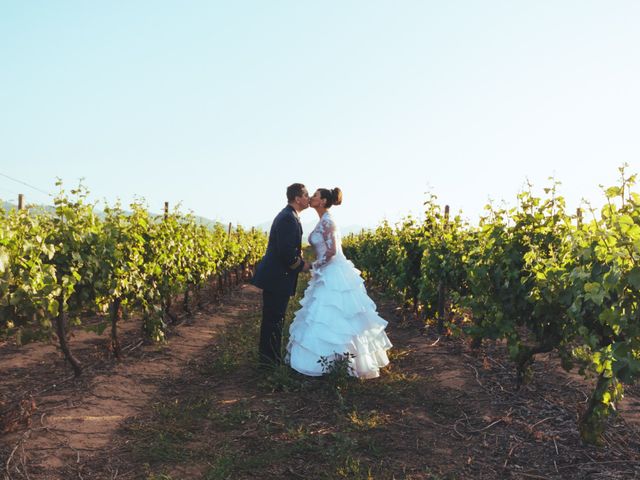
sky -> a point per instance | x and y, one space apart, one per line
219 105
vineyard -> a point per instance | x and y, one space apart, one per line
129 347
57 267
533 276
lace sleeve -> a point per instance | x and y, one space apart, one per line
328 231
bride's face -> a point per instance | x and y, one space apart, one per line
316 201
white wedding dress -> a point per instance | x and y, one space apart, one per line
337 315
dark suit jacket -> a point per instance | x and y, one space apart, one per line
279 268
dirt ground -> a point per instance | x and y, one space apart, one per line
197 407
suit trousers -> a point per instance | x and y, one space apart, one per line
274 307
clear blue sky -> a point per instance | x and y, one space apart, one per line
220 105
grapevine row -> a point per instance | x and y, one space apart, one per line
533 276
55 267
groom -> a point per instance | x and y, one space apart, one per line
277 272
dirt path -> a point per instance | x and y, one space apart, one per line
74 420
198 408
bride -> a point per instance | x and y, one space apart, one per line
337 315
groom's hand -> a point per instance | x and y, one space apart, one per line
306 267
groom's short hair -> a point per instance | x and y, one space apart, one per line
294 190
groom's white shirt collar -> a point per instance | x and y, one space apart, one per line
295 212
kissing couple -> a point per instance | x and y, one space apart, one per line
337 319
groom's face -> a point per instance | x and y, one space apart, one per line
303 200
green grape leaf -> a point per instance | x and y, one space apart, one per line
634 278
613 192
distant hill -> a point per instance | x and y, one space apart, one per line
264 226
12 206
49 208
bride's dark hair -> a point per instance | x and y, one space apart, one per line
333 196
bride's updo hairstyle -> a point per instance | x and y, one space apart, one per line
333 196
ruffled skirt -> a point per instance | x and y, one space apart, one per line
337 316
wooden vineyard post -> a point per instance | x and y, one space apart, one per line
116 316
227 273
248 266
186 306
579 217
238 268
20 201
442 288
167 304
236 280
